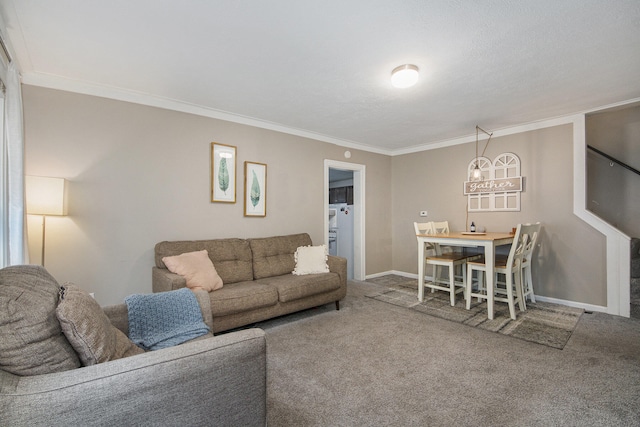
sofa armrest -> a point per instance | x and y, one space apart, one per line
338 265
163 280
217 381
119 316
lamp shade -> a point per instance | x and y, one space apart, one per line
45 195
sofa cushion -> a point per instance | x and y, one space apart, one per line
231 257
273 256
89 330
311 260
291 287
197 269
240 297
32 341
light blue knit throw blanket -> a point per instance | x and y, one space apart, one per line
164 319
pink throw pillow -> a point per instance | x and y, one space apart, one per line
196 268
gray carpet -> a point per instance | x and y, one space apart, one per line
542 323
376 364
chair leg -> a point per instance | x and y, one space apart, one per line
436 274
337 305
421 284
452 286
464 280
529 281
468 285
509 282
522 303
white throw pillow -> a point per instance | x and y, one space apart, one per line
311 260
196 268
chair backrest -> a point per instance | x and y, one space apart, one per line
516 253
440 227
423 227
523 244
433 227
532 230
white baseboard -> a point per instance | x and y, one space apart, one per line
386 273
584 306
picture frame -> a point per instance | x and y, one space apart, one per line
255 189
223 173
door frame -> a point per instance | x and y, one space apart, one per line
358 208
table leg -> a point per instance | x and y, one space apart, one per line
489 259
420 270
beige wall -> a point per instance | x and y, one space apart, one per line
139 175
572 253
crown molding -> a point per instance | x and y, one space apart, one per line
103 91
85 88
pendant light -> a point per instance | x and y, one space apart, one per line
476 174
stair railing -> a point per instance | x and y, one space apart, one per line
613 159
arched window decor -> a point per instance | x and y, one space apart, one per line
500 187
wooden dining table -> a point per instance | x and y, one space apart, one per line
489 241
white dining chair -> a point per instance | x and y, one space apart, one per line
511 289
526 276
452 283
527 279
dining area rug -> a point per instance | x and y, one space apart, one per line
542 323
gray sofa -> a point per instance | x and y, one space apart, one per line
208 381
258 283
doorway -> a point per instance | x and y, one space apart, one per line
353 176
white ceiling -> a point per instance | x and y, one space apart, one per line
322 68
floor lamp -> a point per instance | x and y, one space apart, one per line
45 196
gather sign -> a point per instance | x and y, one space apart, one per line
501 186
498 185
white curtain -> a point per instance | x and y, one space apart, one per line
13 248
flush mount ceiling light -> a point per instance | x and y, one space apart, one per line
404 76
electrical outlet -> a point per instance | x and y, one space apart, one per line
423 213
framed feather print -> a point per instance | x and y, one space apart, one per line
255 189
223 173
